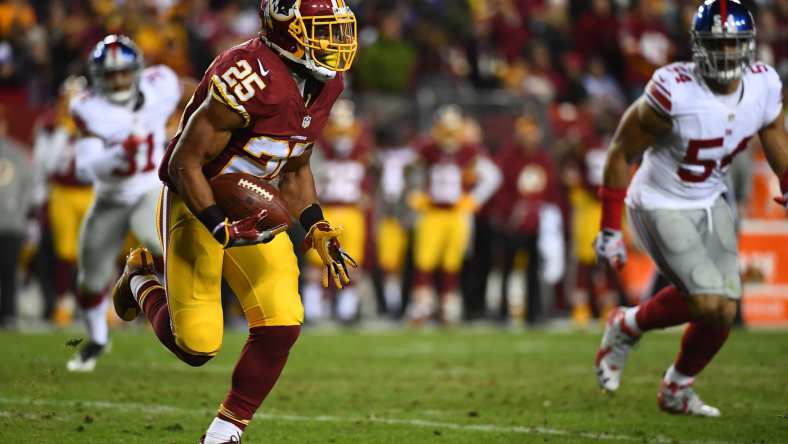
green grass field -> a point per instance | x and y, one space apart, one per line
470 386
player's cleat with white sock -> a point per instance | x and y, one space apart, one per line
233 440
139 262
613 351
84 360
682 400
221 432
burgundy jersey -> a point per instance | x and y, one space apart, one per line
254 82
449 174
343 175
529 181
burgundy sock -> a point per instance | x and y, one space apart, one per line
422 278
155 307
261 362
701 341
64 277
87 300
667 308
451 281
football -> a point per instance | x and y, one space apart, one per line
241 195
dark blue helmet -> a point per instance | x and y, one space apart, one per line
723 40
115 53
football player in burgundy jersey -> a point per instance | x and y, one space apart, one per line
343 184
527 218
459 178
65 197
689 124
258 109
596 284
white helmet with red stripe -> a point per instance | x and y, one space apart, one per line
115 66
318 34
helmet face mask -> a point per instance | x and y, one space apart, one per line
120 85
342 129
448 127
115 67
318 34
723 40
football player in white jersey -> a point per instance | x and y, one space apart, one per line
690 123
122 121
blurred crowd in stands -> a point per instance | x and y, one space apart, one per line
538 83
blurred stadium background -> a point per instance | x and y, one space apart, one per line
568 67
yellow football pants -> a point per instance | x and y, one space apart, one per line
263 277
354 232
586 214
67 207
442 237
392 244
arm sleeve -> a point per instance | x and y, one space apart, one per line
489 179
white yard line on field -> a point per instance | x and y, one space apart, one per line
489 428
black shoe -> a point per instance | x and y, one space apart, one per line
85 359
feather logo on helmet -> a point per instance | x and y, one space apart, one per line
283 10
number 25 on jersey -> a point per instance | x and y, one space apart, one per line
243 79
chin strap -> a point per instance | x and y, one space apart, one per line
318 72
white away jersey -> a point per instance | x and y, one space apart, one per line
145 126
686 168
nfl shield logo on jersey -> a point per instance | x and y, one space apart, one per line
306 122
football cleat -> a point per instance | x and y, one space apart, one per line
233 440
85 359
613 351
138 262
682 400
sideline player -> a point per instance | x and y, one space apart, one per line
346 149
459 178
121 120
691 122
258 109
65 197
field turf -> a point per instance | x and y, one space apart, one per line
467 386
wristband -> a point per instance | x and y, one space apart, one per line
310 216
612 207
212 217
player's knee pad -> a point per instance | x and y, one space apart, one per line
200 339
706 276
